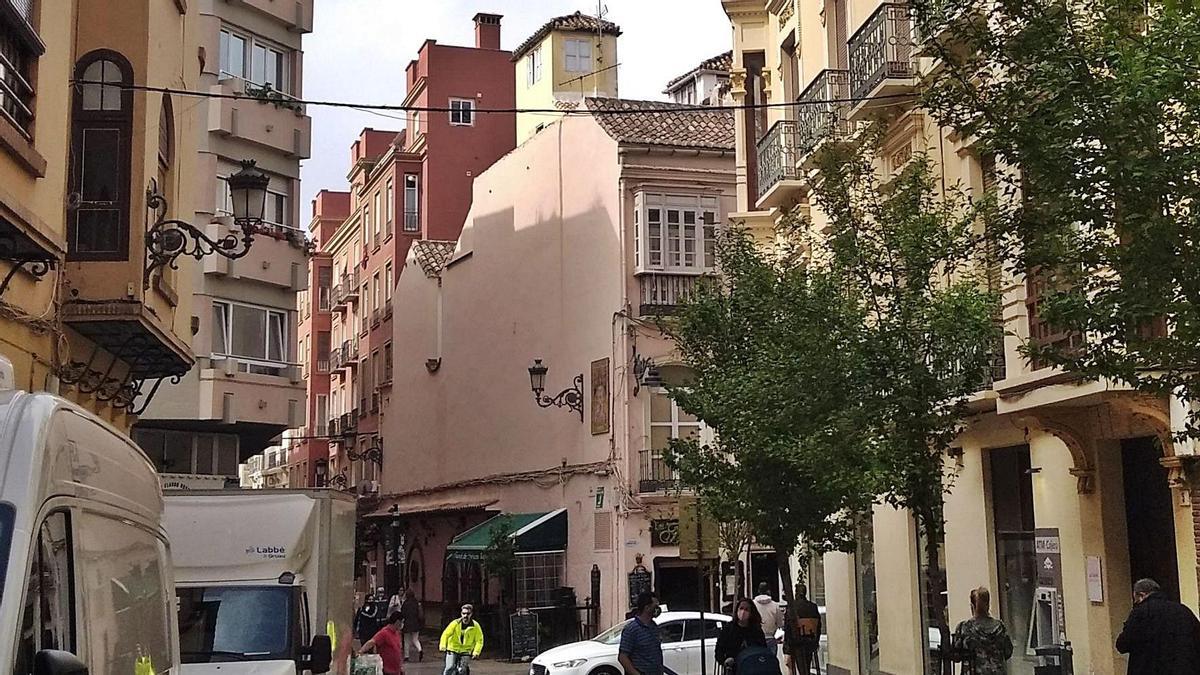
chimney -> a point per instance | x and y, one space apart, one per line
487 31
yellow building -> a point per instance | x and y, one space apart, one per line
568 58
80 313
1066 491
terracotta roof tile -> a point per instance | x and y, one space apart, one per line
720 63
662 123
571 22
432 255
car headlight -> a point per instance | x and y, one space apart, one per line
573 663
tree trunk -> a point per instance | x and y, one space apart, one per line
785 571
935 598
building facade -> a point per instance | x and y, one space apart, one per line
566 262
246 386
706 84
404 187
1065 491
84 314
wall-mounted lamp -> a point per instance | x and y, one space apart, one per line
571 398
645 374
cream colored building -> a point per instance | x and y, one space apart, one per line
75 167
246 386
568 58
1066 491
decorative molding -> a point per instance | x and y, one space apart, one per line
1084 470
737 81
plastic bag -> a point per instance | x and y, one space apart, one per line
367 664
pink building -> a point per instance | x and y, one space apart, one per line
567 257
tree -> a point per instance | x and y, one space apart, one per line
500 558
1095 105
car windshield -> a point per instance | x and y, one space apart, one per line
612 636
235 623
6 527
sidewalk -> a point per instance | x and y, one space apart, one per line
435 661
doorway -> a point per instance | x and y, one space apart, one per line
675 583
1011 484
764 568
1149 515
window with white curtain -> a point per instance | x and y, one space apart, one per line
255 336
579 56
675 233
533 66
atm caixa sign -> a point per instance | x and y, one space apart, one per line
267 552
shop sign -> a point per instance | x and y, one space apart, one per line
664 532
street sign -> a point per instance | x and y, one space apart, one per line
697 532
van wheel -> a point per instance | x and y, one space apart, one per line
605 670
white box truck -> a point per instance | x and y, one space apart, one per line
84 560
265 580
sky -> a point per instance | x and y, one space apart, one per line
358 50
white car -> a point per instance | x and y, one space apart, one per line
680 633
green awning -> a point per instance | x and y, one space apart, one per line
532 533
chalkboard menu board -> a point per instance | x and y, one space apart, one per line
523 633
639 582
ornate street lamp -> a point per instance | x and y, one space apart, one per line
571 398
167 239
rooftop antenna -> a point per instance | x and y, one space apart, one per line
601 12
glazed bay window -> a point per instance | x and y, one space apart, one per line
462 112
675 233
20 48
256 336
253 59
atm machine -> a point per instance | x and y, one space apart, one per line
1047 635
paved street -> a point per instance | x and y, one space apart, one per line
434 662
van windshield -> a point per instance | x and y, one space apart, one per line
220 624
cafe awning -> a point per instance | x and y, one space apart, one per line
544 532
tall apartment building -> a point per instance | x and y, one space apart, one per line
246 386
570 57
404 187
1065 490
83 313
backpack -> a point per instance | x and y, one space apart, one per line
757 660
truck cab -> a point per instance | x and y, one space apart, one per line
84 559
263 579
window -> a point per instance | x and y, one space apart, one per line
669 421
387 362
375 300
538 576
579 56
19 51
387 280
166 141
533 66
251 58
412 207
277 211
256 336
189 452
47 620
366 231
98 223
321 414
378 217
324 284
675 233
324 348
390 206
462 112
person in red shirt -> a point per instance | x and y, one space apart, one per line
389 644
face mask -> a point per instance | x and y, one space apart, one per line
657 611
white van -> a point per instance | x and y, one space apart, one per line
87 582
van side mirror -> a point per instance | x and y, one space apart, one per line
55 662
320 654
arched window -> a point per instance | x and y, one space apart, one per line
101 127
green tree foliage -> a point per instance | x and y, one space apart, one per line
1096 106
500 557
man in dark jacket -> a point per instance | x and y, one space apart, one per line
1161 636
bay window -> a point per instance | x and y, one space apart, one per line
256 336
675 233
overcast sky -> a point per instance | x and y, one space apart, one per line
359 48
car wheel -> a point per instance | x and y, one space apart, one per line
605 670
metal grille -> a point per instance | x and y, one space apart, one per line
881 49
663 293
818 117
16 61
654 474
778 152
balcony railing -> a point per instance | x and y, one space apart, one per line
653 473
335 359
778 151
349 422
334 426
16 94
882 49
822 108
663 293
412 221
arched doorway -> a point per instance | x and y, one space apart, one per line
1149 514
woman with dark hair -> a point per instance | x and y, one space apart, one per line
744 631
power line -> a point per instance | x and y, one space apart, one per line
373 107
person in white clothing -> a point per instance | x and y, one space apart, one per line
768 609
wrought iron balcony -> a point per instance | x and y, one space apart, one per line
882 49
663 293
821 113
778 151
654 475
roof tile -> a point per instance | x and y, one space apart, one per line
662 123
571 22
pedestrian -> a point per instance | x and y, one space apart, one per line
744 631
802 633
768 609
1161 636
981 642
640 652
388 644
461 641
410 609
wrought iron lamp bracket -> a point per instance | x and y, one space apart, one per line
571 398
168 238
372 454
